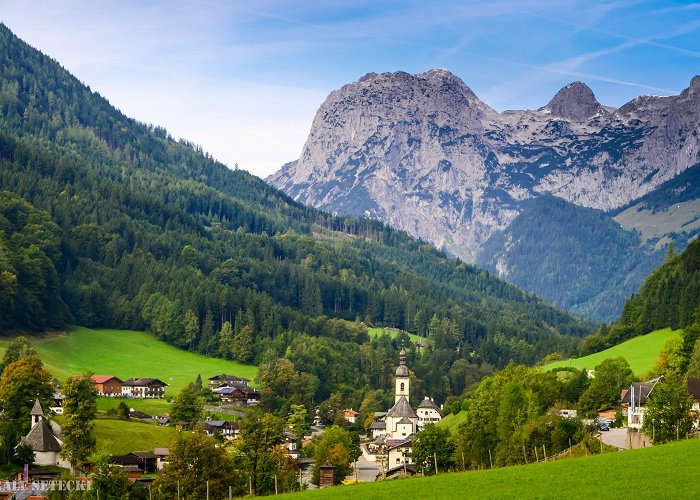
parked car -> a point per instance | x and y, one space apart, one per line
602 424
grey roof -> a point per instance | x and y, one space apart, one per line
402 369
430 404
694 387
642 391
402 409
404 420
399 443
215 423
36 409
380 425
162 452
40 438
143 382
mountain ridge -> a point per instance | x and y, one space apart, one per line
505 157
424 154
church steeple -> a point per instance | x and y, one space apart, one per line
37 413
402 380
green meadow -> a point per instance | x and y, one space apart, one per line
641 353
451 422
122 436
667 471
128 353
376 332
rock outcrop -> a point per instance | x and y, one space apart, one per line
424 154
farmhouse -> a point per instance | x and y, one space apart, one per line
224 380
107 385
350 415
143 388
223 428
234 390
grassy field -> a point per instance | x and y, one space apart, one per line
452 422
668 471
121 436
376 332
641 353
148 406
126 353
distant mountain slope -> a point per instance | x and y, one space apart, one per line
424 154
669 213
668 298
154 234
578 258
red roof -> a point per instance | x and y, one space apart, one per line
101 379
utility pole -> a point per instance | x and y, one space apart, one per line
435 458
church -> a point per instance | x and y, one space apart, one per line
402 421
42 439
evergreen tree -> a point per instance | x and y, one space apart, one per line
243 345
226 340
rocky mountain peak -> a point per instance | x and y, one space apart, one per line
695 82
575 102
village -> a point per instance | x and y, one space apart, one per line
385 444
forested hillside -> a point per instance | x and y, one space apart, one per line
578 258
107 222
669 297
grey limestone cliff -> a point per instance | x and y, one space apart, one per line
424 154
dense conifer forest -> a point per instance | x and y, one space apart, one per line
108 222
670 297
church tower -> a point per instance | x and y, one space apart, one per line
402 382
37 413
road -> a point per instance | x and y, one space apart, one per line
366 470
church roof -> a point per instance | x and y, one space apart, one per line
36 409
40 438
430 404
402 409
404 420
402 369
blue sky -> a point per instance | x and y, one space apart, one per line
245 78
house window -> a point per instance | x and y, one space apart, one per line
402 387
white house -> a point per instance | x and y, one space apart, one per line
636 399
694 390
143 388
428 413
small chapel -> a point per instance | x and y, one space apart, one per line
42 440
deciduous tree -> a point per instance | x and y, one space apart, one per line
22 383
430 446
668 416
79 411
